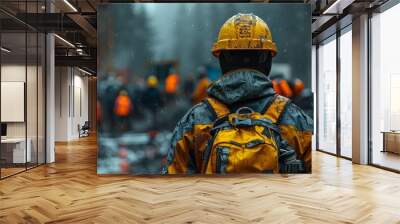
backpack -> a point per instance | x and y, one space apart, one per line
244 141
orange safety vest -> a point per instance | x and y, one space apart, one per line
171 83
281 87
275 85
123 106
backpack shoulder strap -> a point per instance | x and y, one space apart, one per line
217 107
275 108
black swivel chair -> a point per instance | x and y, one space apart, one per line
84 130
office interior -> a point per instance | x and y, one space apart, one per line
30 60
48 82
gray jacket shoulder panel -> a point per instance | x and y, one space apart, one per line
296 117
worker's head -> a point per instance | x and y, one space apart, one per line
123 93
245 41
152 81
251 59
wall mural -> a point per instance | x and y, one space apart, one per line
190 88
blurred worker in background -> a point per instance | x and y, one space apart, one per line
98 116
151 98
108 91
295 90
200 92
188 85
172 84
243 126
281 86
302 97
122 109
297 87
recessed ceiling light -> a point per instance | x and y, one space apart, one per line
337 7
5 50
65 41
328 10
70 5
84 71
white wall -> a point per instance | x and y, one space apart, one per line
16 73
33 127
11 73
13 101
61 103
80 110
71 102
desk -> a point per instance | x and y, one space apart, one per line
391 141
15 148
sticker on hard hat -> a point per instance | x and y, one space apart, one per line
243 26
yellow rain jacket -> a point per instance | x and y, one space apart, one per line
240 88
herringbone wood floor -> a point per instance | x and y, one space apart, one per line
69 191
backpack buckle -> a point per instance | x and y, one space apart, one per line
242 118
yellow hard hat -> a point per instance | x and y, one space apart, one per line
152 81
244 32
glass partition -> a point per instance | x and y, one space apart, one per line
14 153
327 96
41 91
346 93
22 88
31 97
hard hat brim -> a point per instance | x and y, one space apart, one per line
244 44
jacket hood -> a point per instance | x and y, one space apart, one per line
241 85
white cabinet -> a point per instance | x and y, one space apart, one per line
18 149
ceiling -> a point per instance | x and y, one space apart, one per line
75 21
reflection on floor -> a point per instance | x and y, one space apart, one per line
14 169
10 171
70 191
387 159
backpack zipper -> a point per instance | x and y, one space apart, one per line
222 159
